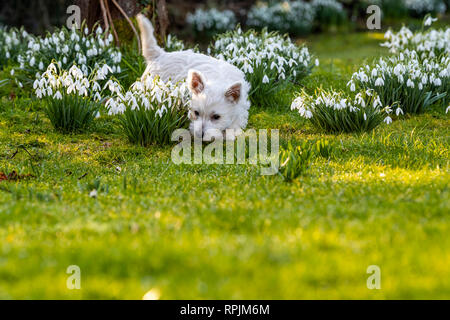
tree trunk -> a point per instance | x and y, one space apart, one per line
91 10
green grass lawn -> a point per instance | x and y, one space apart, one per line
225 231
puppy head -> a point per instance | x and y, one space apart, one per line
214 106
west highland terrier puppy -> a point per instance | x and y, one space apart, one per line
219 91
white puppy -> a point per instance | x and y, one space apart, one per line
219 90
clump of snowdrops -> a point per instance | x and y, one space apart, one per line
295 17
12 43
67 47
151 110
71 99
419 8
428 43
335 112
270 62
211 21
406 80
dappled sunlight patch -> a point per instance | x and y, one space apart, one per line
375 35
383 174
153 294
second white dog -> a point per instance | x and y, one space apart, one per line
219 90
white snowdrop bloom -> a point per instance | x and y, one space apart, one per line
12 72
273 65
410 83
317 62
379 82
398 111
93 193
41 65
448 109
86 31
32 61
424 79
57 95
429 20
308 114
77 47
388 120
352 85
437 82
265 79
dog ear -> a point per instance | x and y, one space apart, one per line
196 82
233 94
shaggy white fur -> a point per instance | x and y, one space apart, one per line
219 90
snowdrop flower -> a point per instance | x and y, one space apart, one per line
398 111
429 20
93 193
410 83
424 79
379 82
352 85
388 120
57 95
265 79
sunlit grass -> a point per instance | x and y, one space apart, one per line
225 231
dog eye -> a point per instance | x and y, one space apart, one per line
196 113
216 117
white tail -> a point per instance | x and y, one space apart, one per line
150 48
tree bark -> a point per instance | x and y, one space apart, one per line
91 10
